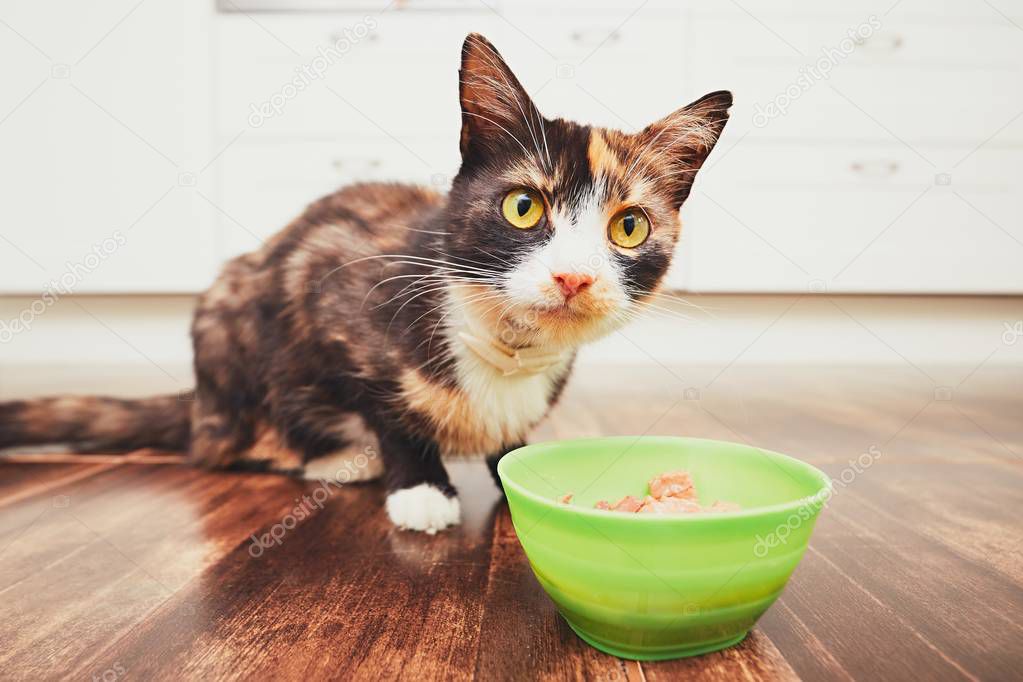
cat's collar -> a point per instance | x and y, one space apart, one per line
507 360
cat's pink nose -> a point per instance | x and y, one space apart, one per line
571 283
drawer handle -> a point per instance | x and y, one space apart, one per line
340 165
875 169
335 38
593 37
889 44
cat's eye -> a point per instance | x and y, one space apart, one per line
523 208
629 228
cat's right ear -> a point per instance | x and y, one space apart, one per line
686 137
497 113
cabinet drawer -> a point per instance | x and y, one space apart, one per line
919 81
856 219
590 67
595 68
267 183
352 75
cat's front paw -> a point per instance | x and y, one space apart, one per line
423 507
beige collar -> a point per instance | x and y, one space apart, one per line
507 360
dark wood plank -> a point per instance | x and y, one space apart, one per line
21 481
85 572
914 570
941 604
967 509
805 650
867 638
755 658
973 618
522 635
344 595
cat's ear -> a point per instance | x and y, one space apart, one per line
685 138
496 110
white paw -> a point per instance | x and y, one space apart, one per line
423 507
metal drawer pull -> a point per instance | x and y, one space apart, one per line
358 164
335 38
875 169
889 44
595 36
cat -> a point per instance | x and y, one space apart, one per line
391 325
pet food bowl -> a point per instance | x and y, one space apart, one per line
651 587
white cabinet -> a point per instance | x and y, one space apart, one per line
600 67
342 73
267 183
187 136
866 152
909 80
856 218
891 173
104 138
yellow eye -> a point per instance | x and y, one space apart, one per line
523 208
630 228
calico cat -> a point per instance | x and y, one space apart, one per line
390 318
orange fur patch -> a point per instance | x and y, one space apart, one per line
459 427
270 447
603 161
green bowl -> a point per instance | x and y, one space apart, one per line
657 587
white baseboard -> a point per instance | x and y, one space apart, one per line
152 332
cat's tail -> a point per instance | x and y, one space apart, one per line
97 424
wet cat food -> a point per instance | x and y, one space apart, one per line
672 492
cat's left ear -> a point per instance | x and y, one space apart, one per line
497 113
685 138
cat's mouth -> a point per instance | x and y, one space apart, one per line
575 309
561 313
548 318
559 305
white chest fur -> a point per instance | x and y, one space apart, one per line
506 407
488 410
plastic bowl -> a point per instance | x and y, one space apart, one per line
651 587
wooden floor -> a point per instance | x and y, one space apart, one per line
136 568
